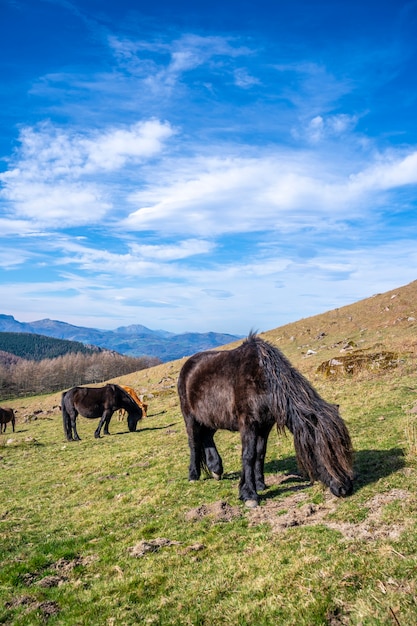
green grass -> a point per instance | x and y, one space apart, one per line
71 512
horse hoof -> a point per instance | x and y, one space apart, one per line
216 476
251 504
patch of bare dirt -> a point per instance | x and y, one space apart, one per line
51 581
152 545
63 568
195 547
295 510
219 511
47 608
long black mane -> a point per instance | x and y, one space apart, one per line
249 389
314 423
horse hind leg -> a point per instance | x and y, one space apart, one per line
69 418
73 418
213 459
203 451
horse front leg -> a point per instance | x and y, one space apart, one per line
261 443
213 459
104 421
247 488
107 422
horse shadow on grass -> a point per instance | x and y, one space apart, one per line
142 430
369 466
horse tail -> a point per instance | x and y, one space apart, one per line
322 442
321 439
65 416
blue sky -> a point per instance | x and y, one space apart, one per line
205 166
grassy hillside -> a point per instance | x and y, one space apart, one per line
110 531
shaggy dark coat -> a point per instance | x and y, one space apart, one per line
249 389
93 402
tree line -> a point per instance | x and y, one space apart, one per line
36 347
22 377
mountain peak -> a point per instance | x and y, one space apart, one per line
134 340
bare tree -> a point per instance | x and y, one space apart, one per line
24 378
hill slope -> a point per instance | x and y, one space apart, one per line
113 518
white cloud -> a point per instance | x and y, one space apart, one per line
171 60
217 297
322 127
279 191
179 250
244 79
13 226
139 260
58 205
49 180
113 148
12 258
389 172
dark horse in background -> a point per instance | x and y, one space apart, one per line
93 402
6 416
249 389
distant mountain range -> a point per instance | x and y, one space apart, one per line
135 340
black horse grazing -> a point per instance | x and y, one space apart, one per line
6 415
97 402
249 389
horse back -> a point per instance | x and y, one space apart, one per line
220 388
91 401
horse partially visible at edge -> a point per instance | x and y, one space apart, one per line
94 402
249 389
6 415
